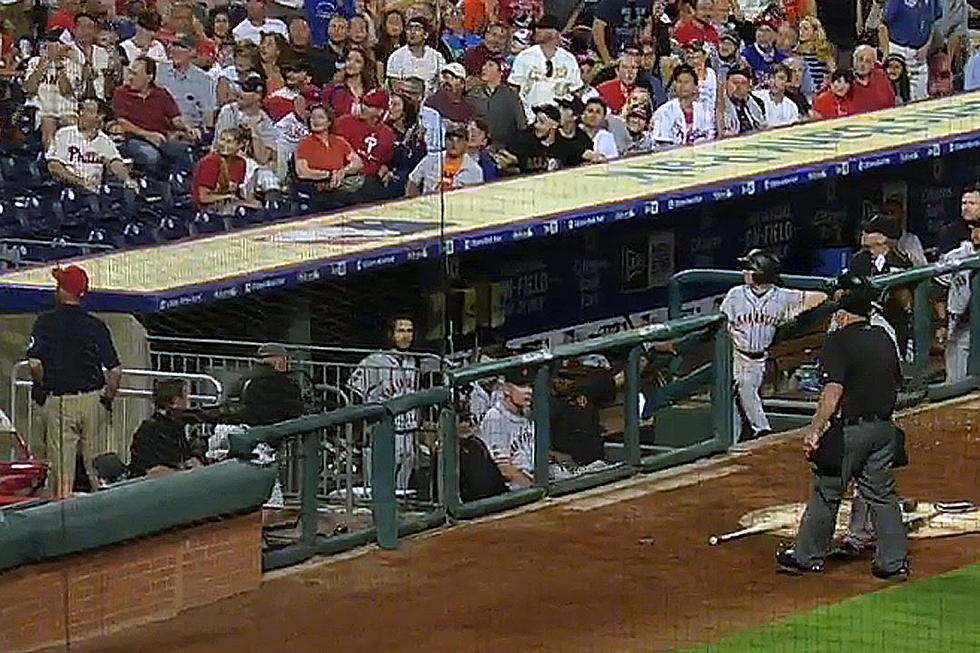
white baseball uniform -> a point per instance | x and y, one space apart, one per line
509 437
958 313
382 376
752 321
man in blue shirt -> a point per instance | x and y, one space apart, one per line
909 24
762 54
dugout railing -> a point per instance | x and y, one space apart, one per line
392 516
702 385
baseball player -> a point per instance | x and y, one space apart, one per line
754 311
385 375
958 308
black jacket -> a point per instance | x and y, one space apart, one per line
268 397
160 440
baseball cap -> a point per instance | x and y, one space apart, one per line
252 83
548 21
549 110
183 41
768 21
884 225
376 98
455 132
519 376
271 350
731 37
522 36
72 279
572 103
455 69
695 44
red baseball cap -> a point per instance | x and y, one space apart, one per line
72 279
376 98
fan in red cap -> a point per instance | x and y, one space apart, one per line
371 138
72 280
74 368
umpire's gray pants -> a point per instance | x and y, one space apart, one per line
868 453
957 349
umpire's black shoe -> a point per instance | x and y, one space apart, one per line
786 561
902 573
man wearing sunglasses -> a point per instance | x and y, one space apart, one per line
546 71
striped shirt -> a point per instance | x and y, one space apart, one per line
817 68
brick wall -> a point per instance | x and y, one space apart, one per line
118 587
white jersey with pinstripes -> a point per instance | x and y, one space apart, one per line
753 318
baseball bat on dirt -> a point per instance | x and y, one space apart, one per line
760 527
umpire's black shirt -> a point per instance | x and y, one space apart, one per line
73 346
861 357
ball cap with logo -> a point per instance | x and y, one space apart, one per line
72 279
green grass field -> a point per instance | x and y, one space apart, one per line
936 615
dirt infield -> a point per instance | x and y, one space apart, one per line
621 570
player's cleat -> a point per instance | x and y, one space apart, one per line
900 574
786 562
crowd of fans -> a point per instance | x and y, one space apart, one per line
384 100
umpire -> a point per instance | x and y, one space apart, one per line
68 351
861 377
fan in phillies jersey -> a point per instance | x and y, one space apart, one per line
754 311
685 120
385 375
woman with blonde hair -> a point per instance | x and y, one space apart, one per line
815 50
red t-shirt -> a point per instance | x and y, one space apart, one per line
829 105
688 31
332 155
876 94
207 170
375 144
614 94
155 112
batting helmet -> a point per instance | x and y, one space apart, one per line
766 264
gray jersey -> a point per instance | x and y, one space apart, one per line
385 375
958 299
509 438
753 318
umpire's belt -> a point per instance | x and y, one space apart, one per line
754 355
862 419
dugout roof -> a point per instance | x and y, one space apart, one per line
203 270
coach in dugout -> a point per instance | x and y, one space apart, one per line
861 375
269 394
68 355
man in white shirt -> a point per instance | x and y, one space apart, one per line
780 110
593 119
144 43
292 128
684 120
447 170
51 82
79 154
508 431
92 58
545 72
257 23
415 58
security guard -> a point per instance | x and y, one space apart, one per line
75 368
861 377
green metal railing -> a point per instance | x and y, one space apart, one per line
688 334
